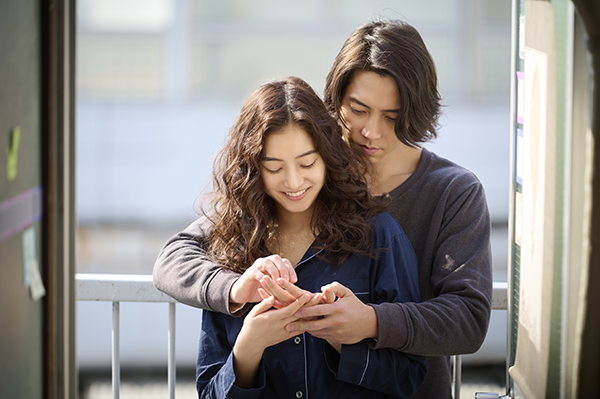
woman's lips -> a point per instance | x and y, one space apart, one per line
369 150
296 195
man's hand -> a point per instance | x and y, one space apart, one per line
347 320
245 289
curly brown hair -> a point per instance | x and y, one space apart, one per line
396 49
243 214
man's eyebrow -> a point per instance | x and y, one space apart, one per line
281 160
355 100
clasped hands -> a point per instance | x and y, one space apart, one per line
334 314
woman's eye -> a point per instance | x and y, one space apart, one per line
389 118
310 165
357 111
272 171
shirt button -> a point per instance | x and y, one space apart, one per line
298 394
297 340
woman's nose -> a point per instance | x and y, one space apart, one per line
294 179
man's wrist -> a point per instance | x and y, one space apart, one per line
372 324
234 305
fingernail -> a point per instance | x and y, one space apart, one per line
290 327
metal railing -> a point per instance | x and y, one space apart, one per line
117 288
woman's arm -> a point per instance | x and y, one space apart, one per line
237 367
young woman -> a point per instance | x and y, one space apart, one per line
286 183
382 89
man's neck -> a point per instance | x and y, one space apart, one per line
391 172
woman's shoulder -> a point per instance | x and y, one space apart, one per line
385 225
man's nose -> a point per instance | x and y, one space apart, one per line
372 129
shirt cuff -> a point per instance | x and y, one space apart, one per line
234 392
353 363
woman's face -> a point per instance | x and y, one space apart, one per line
293 173
370 107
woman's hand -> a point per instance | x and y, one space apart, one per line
286 292
263 327
245 289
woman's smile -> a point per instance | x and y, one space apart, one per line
297 195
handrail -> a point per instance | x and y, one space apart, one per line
139 288
118 288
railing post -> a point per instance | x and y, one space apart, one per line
171 369
116 363
457 375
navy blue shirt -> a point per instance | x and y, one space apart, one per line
308 367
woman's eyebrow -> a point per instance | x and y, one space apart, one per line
299 156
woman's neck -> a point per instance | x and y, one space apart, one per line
294 223
294 236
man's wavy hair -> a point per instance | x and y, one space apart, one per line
396 49
243 214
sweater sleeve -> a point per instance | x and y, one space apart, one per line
183 271
454 318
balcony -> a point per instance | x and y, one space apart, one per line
118 288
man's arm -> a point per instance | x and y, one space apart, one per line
184 272
454 320
455 317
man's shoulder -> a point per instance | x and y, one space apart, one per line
445 176
441 168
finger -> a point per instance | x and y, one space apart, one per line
263 306
328 294
340 291
306 325
274 289
291 288
315 300
285 268
298 303
270 268
314 311
263 294
293 277
287 313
